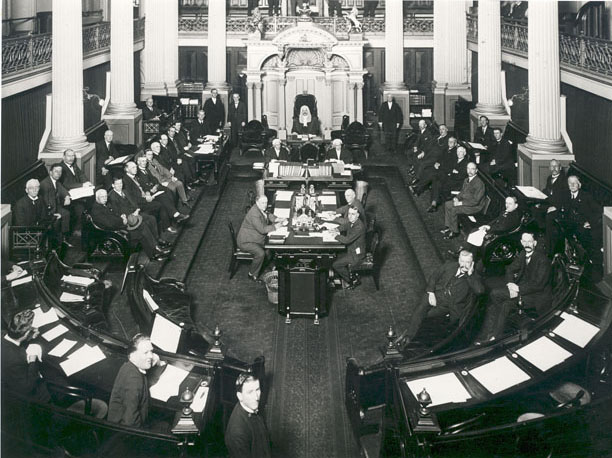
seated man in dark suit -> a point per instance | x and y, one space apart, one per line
199 129
184 160
351 201
469 201
73 177
556 185
252 234
423 143
305 123
151 112
501 158
509 220
484 134
276 152
104 216
339 153
31 210
429 161
55 197
130 397
20 366
527 281
106 151
355 240
451 171
448 292
122 205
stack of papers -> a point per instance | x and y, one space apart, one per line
83 191
165 334
212 138
499 375
282 212
532 192
576 330
77 280
41 318
328 215
21 280
543 353
442 389
329 236
119 160
54 333
281 232
258 165
284 196
273 168
169 383
205 148
327 200
62 348
81 359
69 297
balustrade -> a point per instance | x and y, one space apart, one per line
33 52
587 54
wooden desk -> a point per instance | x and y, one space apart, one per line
214 159
303 263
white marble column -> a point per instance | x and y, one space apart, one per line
159 58
489 58
394 45
451 79
351 100
544 141
258 101
67 125
21 9
282 123
217 47
251 99
359 94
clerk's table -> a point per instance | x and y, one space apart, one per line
304 251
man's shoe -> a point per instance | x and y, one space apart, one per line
445 231
451 235
181 217
161 257
164 243
172 230
161 250
253 278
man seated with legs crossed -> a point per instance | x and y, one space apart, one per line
252 234
355 240
448 292
528 284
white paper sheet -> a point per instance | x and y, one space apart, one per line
329 236
499 375
21 281
329 226
443 389
576 330
78 280
62 348
199 399
206 148
273 168
543 353
169 383
258 165
477 237
158 193
83 191
282 231
284 196
69 297
149 300
328 215
119 160
165 334
54 333
81 359
327 200
41 319
532 192
282 212
477 145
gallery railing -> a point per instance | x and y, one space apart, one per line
576 52
33 52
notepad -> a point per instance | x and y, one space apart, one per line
54 333
62 348
329 236
78 280
282 212
443 389
543 353
165 334
69 297
532 192
327 200
79 193
477 237
499 375
81 359
576 330
42 318
476 145
199 399
21 281
169 383
149 300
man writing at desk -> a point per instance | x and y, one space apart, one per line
354 239
252 234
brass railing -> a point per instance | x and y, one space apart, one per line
33 52
587 54
413 25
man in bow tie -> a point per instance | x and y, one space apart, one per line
528 281
246 435
448 292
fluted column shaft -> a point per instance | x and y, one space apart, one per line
171 48
67 77
251 99
544 77
122 59
281 102
152 56
450 29
394 45
258 101
489 58
359 89
216 43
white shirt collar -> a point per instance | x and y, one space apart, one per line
6 337
33 199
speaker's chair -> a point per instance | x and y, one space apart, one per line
253 137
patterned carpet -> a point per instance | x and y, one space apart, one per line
305 363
